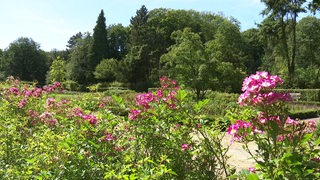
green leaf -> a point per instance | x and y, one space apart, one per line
200 104
306 137
119 100
181 94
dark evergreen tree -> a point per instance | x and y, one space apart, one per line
99 47
139 27
73 41
138 59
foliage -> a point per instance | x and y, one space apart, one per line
77 67
99 47
106 70
57 71
186 61
165 123
46 135
253 49
25 59
118 39
281 26
304 114
286 149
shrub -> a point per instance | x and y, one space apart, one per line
286 149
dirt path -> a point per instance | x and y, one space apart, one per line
239 158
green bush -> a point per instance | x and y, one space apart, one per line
304 114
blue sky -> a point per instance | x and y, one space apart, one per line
52 22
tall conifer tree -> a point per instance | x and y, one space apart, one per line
99 47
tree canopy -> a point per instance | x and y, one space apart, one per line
202 50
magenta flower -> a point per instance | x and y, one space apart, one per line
77 112
50 101
91 118
134 114
185 147
291 121
233 129
23 102
48 119
14 90
144 99
252 169
256 90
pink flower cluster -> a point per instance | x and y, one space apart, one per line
134 114
264 118
240 129
22 93
165 94
77 112
297 129
144 99
185 147
48 119
256 90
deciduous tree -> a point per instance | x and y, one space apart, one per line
25 59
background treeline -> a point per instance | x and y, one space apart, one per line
202 50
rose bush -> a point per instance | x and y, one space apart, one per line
286 147
45 135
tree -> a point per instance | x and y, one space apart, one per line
308 38
2 65
308 53
227 44
99 47
25 59
281 23
186 62
118 39
106 70
314 6
57 71
253 49
138 58
73 41
226 55
77 68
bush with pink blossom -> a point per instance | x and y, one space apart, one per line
286 147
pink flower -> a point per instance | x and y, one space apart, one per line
163 78
256 90
185 147
280 138
91 118
233 129
159 93
77 112
48 118
50 101
291 121
14 90
23 102
144 99
109 137
252 169
134 114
